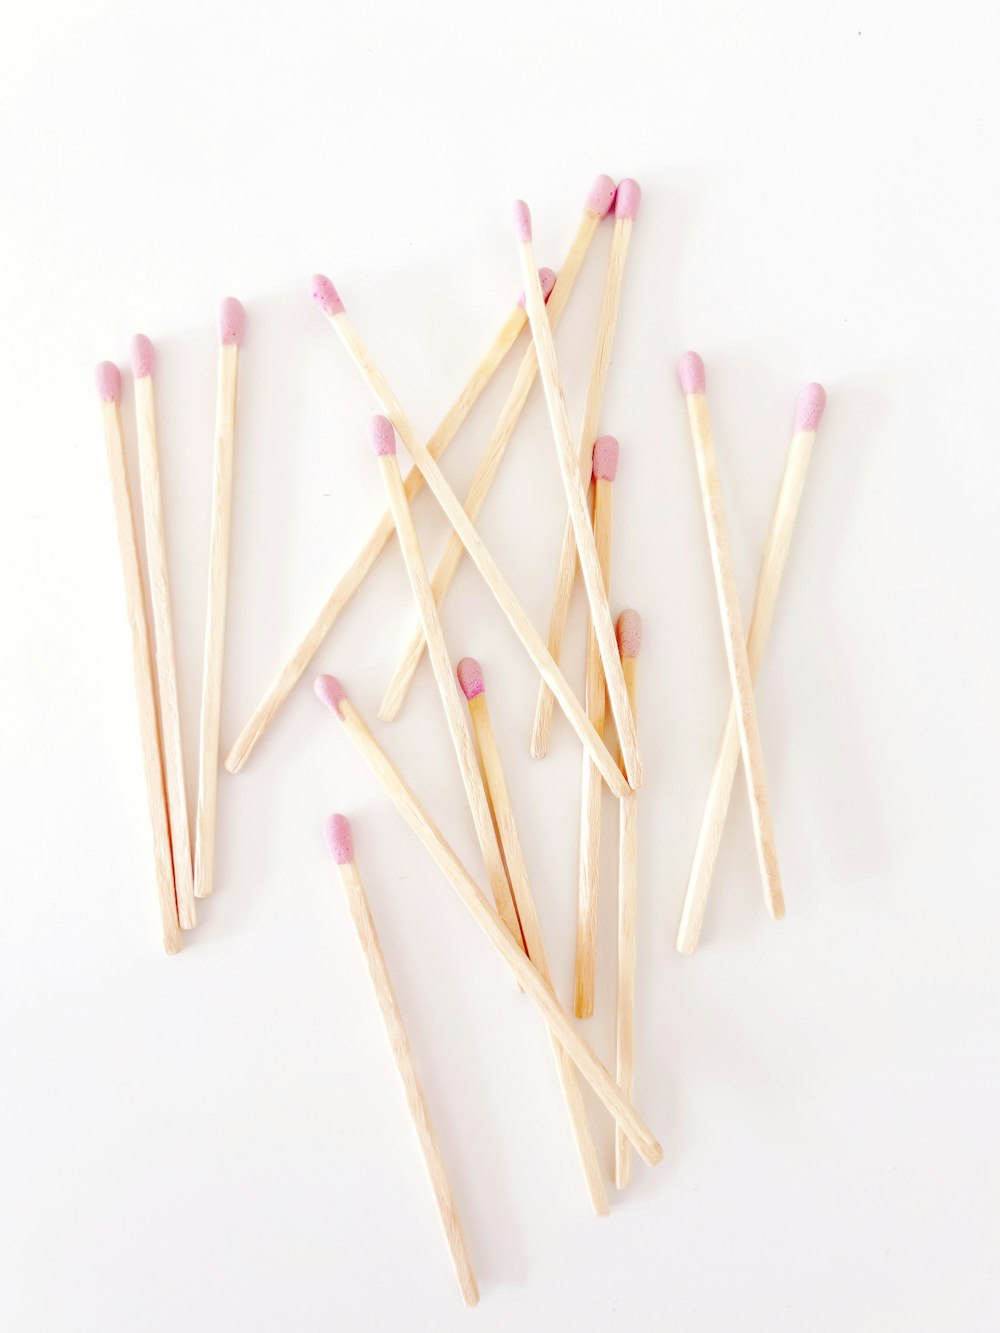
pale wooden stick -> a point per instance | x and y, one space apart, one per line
626 207
109 388
470 677
159 591
605 464
809 411
384 442
576 499
629 630
332 693
474 543
692 376
341 844
231 320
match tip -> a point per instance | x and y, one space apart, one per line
605 458
601 196
546 280
691 373
470 677
330 692
337 832
810 407
108 379
629 631
522 221
232 318
381 436
627 198
142 356
325 295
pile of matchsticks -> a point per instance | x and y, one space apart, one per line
588 464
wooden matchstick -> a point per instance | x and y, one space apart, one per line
332 693
626 207
471 540
341 845
691 372
231 324
163 631
383 440
470 677
600 611
629 629
109 390
596 207
605 465
808 414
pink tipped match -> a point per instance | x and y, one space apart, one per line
627 199
108 379
470 677
809 409
337 832
546 280
629 632
691 373
142 357
605 458
232 318
330 692
325 295
522 221
381 436
601 196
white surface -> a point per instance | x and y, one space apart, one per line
217 1140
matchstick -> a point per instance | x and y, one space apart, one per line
597 205
691 372
163 632
231 323
332 693
470 677
605 465
341 845
383 441
600 611
808 414
626 208
629 629
473 542
109 390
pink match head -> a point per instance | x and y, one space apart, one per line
627 199
546 280
522 221
108 379
470 677
809 408
691 373
629 631
142 357
330 692
325 295
232 318
337 832
381 436
605 458
601 196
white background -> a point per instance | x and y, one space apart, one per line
217 1141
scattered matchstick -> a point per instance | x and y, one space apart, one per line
808 414
163 632
332 693
691 372
109 389
470 677
341 845
629 629
231 323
